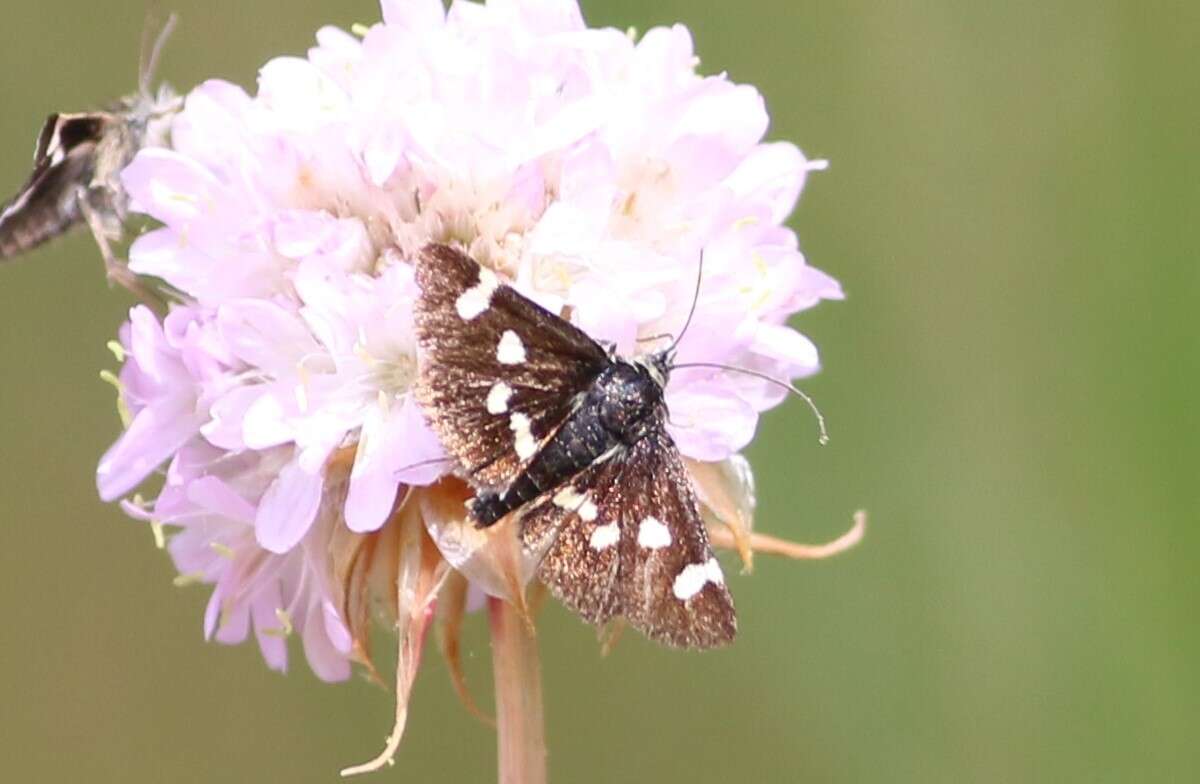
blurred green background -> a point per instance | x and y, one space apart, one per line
1012 207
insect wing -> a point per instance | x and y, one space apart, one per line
625 537
498 372
48 204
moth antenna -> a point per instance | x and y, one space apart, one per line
152 49
695 300
823 439
659 336
423 463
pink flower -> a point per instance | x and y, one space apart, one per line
210 496
590 168
173 371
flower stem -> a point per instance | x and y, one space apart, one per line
519 713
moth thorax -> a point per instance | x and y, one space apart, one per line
627 396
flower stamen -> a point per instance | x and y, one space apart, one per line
285 625
220 548
108 377
189 579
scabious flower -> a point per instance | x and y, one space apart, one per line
591 168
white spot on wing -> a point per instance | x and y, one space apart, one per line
568 498
476 299
653 535
573 501
693 577
605 536
511 350
524 444
498 396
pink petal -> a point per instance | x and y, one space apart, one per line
300 96
541 17
335 628
267 421
265 335
234 625
228 416
170 187
288 508
772 174
214 496
155 434
373 481
267 627
787 346
212 127
326 661
424 457
392 449
212 612
710 426
416 15
148 345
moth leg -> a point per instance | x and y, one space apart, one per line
116 270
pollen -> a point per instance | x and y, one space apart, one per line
285 628
123 411
185 580
160 537
395 376
221 549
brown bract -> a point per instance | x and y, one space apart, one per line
420 565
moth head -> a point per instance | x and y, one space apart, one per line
631 394
658 366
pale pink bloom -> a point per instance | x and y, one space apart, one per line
210 497
172 373
591 168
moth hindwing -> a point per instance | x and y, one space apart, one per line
547 424
77 165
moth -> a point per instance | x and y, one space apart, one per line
77 164
547 423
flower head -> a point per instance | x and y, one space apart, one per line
588 167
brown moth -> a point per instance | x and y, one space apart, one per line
556 428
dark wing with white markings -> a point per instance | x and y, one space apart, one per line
625 538
498 372
48 204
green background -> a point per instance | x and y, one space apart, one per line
1012 208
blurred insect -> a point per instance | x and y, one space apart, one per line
78 162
